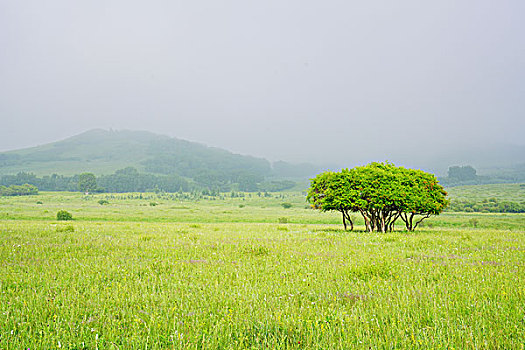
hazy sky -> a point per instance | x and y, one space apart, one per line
283 79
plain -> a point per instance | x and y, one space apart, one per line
160 271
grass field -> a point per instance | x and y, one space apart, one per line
224 274
251 209
502 192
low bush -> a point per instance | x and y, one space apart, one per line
18 190
67 228
491 205
63 215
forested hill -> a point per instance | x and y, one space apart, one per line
103 152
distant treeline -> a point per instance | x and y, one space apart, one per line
467 175
130 180
491 205
18 190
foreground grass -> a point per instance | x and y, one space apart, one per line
87 285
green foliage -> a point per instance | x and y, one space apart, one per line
461 173
276 185
87 182
493 192
7 159
124 180
286 205
67 228
331 191
381 193
156 160
283 220
492 205
130 180
18 190
63 215
46 183
210 167
461 176
103 201
495 198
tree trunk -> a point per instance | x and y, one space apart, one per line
420 220
383 224
349 219
368 220
410 225
368 224
407 220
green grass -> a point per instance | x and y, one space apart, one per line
213 275
477 193
251 208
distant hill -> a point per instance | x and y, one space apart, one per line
104 152
98 151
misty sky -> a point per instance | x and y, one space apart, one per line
283 79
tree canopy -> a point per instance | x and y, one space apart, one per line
18 190
381 192
462 173
87 182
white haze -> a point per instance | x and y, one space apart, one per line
300 80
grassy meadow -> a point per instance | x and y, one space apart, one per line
502 192
245 273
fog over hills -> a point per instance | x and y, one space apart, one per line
423 84
104 151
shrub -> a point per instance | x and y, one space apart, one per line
286 205
39 202
67 228
283 220
152 204
63 215
103 201
18 190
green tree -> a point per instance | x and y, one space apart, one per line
381 193
330 191
87 182
423 198
378 195
462 173
18 190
